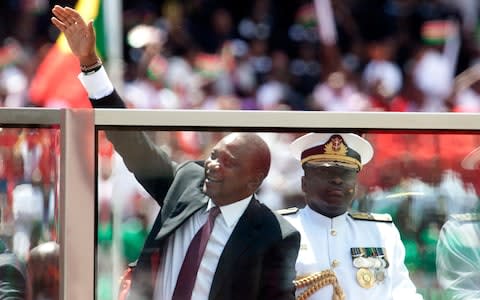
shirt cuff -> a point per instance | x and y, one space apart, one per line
97 85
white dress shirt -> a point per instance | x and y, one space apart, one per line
326 244
97 84
177 246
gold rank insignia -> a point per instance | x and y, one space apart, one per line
288 211
364 216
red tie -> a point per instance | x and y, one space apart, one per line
188 272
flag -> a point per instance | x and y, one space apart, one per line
306 16
436 32
55 83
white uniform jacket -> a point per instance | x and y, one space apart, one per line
327 243
458 257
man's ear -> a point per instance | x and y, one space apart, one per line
353 190
303 184
255 182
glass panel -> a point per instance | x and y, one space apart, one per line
418 179
415 176
29 185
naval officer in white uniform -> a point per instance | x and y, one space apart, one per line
458 248
343 255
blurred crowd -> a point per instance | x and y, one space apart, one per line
380 55
376 55
29 162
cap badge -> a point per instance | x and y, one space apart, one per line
336 146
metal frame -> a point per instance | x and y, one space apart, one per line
287 119
77 205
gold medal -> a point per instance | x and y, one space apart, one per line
365 278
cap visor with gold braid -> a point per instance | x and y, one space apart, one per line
346 150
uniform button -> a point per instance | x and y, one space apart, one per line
333 232
335 263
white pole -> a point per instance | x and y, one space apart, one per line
112 10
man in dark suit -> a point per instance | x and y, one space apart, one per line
251 252
13 282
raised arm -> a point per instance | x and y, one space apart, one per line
151 166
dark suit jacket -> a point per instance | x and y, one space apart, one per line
258 261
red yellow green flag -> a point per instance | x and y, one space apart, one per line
55 83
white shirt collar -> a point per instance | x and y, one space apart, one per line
232 212
322 220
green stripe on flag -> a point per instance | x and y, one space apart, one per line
99 25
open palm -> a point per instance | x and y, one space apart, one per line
80 35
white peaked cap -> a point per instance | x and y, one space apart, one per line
344 149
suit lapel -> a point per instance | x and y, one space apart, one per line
192 200
241 238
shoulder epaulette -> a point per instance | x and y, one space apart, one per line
371 217
288 211
467 217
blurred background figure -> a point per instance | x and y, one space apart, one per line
458 248
382 78
43 267
466 90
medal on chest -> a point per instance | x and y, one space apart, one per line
371 264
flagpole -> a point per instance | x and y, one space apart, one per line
112 10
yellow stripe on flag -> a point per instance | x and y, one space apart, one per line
88 9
